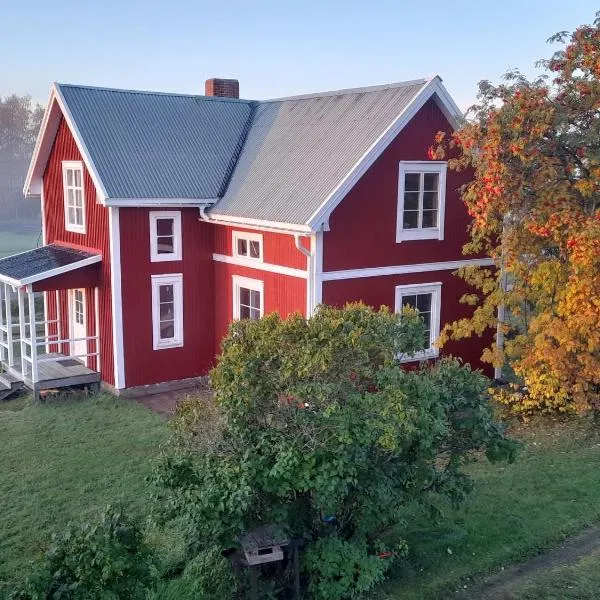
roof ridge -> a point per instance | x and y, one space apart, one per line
153 93
358 90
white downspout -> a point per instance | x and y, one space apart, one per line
309 274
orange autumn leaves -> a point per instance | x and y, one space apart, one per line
534 150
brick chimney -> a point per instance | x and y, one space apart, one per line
224 88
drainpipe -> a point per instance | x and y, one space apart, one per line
309 275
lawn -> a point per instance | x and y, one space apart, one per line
66 461
12 242
515 511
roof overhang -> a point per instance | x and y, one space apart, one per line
56 108
432 89
244 222
158 202
43 263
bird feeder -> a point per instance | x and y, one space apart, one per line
263 545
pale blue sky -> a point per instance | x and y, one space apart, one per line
274 48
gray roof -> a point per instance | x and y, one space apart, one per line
298 150
45 261
154 145
275 160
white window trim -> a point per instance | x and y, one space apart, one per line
255 285
251 237
430 233
73 165
435 289
177 243
176 280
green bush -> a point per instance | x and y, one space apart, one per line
90 561
320 431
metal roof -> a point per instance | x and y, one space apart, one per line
298 150
42 263
152 145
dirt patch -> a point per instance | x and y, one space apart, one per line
164 403
501 586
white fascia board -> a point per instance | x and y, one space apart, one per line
52 272
246 223
159 202
451 265
260 266
432 88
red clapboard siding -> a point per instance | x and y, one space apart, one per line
278 248
96 240
283 294
380 291
363 226
143 364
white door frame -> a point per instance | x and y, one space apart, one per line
76 329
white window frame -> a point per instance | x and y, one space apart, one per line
177 242
73 165
435 289
250 237
256 285
176 280
429 233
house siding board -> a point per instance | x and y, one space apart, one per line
96 240
278 248
143 364
381 291
283 294
369 211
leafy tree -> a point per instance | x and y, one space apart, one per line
318 430
19 124
534 150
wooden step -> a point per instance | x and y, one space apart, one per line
9 384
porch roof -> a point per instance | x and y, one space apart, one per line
42 263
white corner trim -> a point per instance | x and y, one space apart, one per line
260 266
176 255
433 87
249 237
435 289
116 297
256 285
420 167
175 280
405 269
316 249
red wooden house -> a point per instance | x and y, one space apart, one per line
166 216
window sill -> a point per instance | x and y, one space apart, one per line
75 229
417 356
165 258
166 346
404 235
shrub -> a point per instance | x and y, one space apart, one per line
106 559
322 433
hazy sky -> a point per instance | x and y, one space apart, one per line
274 48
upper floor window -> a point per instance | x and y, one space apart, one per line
165 236
167 311
421 200
248 298
425 298
74 196
248 245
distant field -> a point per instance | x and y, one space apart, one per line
12 242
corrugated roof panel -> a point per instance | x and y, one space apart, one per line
153 145
299 150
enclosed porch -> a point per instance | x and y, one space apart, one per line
49 326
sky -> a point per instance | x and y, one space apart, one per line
274 48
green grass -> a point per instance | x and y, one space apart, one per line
515 511
12 242
66 461
580 581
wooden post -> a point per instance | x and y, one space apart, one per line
9 325
97 326
21 301
2 325
33 339
59 323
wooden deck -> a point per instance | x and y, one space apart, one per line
60 373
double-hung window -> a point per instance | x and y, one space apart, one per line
74 197
167 311
248 298
421 200
248 245
426 299
165 236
